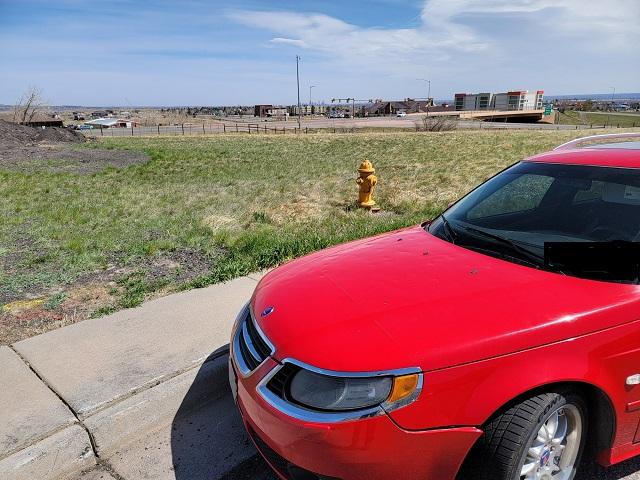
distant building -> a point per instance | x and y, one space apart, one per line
306 109
473 101
112 123
261 110
277 112
408 105
514 100
42 120
269 111
338 111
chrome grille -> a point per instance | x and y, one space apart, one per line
251 347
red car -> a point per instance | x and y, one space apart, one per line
501 340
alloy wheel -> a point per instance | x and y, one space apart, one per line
553 451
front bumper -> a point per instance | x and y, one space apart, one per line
373 448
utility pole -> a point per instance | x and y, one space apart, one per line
310 107
613 94
428 92
298 82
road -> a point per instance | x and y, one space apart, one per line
209 442
338 125
407 122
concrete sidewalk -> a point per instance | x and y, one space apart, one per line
73 397
141 394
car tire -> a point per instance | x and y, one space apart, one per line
520 443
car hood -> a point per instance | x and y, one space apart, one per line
410 299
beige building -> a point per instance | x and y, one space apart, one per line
513 100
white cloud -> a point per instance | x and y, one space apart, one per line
463 32
562 46
615 18
289 41
341 40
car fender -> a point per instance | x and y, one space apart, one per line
470 394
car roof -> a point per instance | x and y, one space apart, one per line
599 150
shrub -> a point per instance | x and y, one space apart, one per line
436 124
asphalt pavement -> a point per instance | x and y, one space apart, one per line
208 442
257 125
140 394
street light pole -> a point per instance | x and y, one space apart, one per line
310 107
298 83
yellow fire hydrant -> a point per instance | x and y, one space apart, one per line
367 182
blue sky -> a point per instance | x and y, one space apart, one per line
197 52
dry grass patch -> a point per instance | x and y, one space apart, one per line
207 209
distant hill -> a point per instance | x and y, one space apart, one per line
583 96
596 96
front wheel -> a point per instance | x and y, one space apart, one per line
541 438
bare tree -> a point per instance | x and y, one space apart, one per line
436 124
30 103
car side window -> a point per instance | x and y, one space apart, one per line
524 193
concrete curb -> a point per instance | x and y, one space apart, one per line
136 416
105 383
70 451
60 455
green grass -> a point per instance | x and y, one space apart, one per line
598 119
55 300
134 287
243 202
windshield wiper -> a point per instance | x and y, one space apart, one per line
538 259
449 230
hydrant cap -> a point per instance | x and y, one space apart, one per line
366 167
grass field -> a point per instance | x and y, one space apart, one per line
572 117
204 210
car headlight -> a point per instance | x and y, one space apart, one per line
338 393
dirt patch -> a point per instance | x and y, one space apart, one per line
28 149
75 304
100 292
13 134
183 265
58 158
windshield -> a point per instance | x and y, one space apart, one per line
523 213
